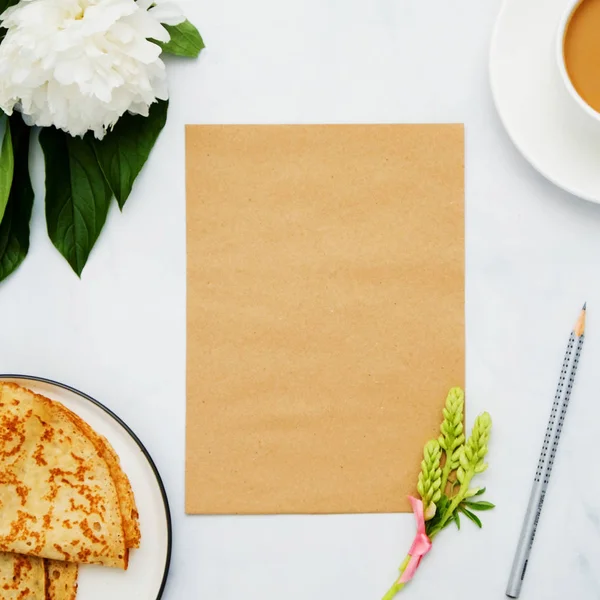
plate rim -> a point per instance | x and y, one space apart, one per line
140 444
574 191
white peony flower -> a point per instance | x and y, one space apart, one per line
81 64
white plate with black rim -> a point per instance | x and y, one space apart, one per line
146 575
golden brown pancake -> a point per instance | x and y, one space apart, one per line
61 580
33 578
22 578
63 495
29 577
129 513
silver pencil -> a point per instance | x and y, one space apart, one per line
546 461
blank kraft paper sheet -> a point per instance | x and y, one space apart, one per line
325 312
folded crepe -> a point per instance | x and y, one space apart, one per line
32 578
60 579
63 495
22 578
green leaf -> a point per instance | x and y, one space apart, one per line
185 40
77 195
441 507
7 166
471 516
480 492
456 519
124 150
480 505
4 4
14 229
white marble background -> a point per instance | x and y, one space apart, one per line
532 259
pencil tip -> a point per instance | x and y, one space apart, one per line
584 306
579 328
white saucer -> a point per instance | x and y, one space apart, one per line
532 101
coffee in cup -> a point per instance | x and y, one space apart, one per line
579 54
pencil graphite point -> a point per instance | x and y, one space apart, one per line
584 306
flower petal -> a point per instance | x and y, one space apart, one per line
168 13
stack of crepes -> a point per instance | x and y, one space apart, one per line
64 499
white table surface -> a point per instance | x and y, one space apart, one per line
532 259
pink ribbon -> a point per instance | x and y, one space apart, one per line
421 544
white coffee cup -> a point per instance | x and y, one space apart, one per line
591 116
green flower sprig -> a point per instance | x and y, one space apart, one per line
452 432
471 461
430 478
449 465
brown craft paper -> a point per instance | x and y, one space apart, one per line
325 314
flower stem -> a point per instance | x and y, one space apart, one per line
391 593
397 586
456 501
